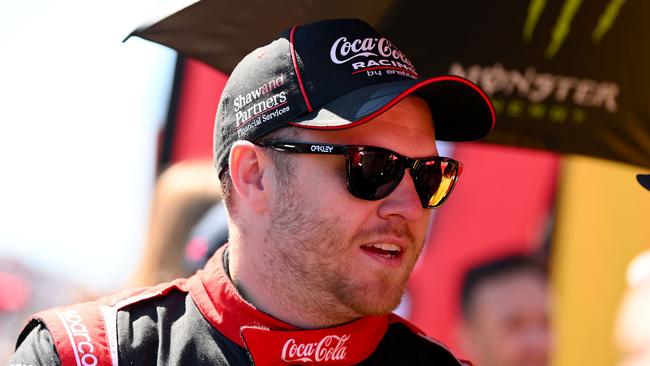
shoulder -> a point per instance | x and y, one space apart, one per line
141 326
35 347
84 333
171 330
405 343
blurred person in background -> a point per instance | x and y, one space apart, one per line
505 313
184 193
25 290
632 327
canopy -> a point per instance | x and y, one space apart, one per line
566 76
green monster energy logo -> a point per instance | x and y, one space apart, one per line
562 26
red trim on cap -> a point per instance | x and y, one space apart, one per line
295 67
403 95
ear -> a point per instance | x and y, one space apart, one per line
247 164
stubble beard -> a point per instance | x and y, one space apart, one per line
306 248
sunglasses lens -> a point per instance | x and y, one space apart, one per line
373 174
434 180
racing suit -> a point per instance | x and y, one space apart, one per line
203 320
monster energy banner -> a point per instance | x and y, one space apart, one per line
564 75
568 75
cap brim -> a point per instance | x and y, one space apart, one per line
460 110
644 180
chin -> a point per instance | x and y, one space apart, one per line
380 309
376 300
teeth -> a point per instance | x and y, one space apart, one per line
387 247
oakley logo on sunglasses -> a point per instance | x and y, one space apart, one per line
322 148
372 173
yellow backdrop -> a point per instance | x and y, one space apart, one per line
603 220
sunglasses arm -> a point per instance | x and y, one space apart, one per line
303 147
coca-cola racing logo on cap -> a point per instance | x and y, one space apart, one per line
372 56
260 104
329 348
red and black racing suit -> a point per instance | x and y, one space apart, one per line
203 320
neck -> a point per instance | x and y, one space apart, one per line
273 291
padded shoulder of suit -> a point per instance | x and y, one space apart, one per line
407 343
86 333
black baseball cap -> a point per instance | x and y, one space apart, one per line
644 180
336 74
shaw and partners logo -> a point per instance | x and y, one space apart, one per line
329 348
80 340
562 26
260 105
371 55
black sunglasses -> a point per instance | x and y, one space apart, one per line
374 172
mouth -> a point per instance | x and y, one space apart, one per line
386 253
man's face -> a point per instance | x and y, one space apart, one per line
328 243
508 321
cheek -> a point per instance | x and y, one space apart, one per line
323 187
421 228
326 185
425 222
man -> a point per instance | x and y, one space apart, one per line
329 170
505 307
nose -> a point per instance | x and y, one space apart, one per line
403 201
